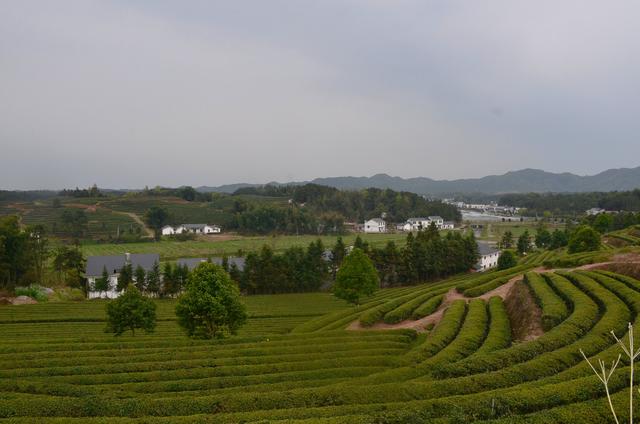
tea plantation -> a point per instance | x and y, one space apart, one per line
295 361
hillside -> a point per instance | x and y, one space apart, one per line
522 181
440 352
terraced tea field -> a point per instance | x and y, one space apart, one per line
295 360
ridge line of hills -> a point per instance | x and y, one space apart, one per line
521 181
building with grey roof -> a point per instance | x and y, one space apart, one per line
487 256
113 264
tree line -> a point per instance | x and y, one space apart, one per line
25 255
573 203
426 256
358 205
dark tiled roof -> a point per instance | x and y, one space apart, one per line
114 263
486 249
145 260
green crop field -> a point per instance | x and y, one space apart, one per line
296 362
169 250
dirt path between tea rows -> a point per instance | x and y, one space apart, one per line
504 291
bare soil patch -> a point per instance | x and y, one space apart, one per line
524 314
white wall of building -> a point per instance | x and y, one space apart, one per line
488 261
375 226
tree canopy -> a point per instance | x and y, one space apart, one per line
356 278
130 311
210 305
584 239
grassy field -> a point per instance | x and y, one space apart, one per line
169 250
295 362
493 231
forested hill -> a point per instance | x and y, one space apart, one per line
572 203
522 181
357 205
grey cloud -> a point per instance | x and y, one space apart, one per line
126 94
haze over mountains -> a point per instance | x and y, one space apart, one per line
522 181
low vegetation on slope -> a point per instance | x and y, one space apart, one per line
295 361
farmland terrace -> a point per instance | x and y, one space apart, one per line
296 362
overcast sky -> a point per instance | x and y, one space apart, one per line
126 94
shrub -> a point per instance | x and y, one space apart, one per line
507 259
34 291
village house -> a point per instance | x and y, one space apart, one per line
169 230
448 225
375 225
415 224
487 257
114 264
595 211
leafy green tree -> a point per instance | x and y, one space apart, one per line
388 262
507 240
153 279
507 259
356 278
338 253
210 305
130 311
102 283
361 244
558 239
156 218
235 273
524 243
316 266
603 223
543 238
140 277
125 278
69 263
38 251
168 280
584 239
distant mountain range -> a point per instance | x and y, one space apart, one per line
522 181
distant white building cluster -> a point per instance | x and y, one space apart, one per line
595 211
169 230
491 207
378 225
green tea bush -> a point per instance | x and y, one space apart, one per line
554 309
428 307
499 335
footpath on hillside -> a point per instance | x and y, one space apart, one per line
523 311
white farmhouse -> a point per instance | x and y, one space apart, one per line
488 257
168 230
595 211
375 225
415 224
113 264
436 220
